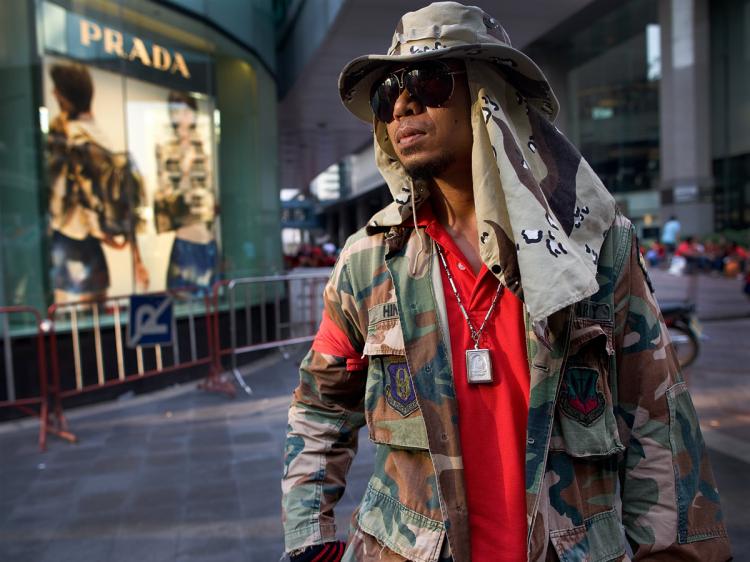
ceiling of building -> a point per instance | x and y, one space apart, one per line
316 131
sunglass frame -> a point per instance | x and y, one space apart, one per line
401 76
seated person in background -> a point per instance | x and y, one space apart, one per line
692 252
655 254
715 255
737 256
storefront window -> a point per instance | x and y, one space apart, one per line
130 174
118 173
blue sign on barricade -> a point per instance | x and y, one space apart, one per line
150 320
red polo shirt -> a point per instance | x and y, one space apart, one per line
492 417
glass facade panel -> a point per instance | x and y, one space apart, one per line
613 96
22 225
117 172
730 68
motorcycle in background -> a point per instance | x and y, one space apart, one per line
685 330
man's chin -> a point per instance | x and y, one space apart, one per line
428 168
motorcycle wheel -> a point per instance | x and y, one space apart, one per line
685 344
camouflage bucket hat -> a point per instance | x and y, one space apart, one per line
447 30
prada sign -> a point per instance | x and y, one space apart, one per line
107 44
113 41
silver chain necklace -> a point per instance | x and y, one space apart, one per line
478 363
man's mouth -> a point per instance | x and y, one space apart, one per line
407 136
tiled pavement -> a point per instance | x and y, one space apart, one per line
178 475
181 475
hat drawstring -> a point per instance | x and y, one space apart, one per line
416 228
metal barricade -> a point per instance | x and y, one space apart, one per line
89 338
263 313
22 392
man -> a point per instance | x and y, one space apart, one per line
184 201
671 234
495 331
83 213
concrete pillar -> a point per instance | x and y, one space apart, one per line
686 170
362 212
331 226
345 229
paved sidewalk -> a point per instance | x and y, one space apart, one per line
720 385
716 297
177 475
181 475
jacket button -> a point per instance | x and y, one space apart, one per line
530 441
444 437
496 269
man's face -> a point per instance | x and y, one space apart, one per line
433 141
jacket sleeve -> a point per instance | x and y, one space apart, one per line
670 502
324 418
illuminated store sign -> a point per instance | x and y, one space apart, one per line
108 44
113 42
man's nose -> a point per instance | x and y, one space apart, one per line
406 105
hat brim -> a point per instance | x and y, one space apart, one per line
359 75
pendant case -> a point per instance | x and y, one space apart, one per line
478 366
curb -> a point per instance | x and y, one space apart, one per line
27 423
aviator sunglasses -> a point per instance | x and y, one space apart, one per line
429 82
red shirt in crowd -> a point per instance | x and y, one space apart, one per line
685 249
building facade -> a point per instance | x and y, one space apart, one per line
138 146
204 111
657 99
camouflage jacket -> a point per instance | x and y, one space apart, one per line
630 464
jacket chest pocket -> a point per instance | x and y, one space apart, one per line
597 539
582 468
391 407
585 424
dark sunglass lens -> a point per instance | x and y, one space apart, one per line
430 83
383 99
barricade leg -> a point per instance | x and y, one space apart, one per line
298 325
216 381
35 406
53 422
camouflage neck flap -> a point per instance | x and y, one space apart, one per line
542 212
